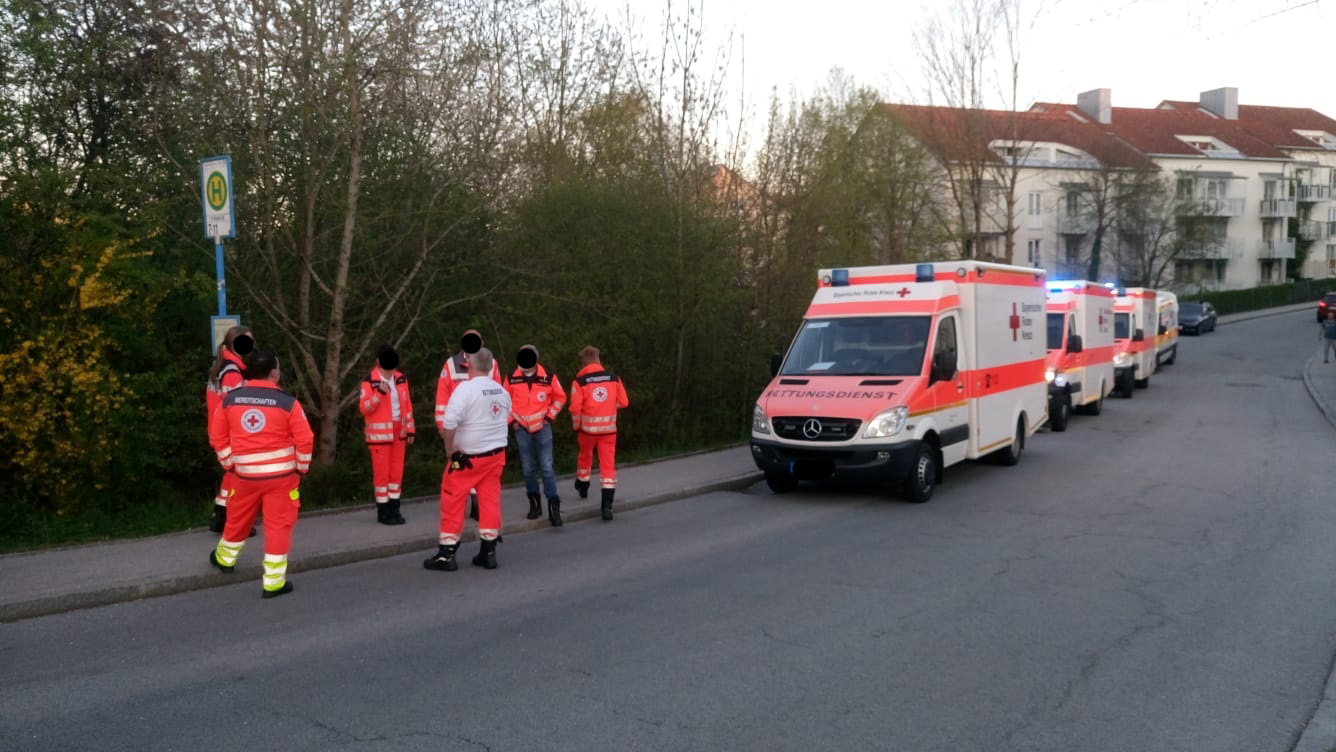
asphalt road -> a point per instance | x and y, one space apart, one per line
1160 577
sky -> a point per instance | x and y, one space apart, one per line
1275 52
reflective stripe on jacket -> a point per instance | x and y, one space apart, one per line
261 431
534 398
596 395
229 378
378 409
453 373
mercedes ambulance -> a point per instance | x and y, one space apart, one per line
1079 364
900 371
1166 333
1133 353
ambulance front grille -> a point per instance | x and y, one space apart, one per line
813 428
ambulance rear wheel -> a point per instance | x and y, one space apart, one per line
1096 407
781 482
923 473
1057 418
1143 383
1011 454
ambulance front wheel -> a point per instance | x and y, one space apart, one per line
923 474
781 482
1059 410
1142 383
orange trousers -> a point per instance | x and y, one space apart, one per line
387 469
485 476
606 446
280 501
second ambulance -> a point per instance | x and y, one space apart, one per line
900 371
1080 349
1134 354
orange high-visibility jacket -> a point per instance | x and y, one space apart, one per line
260 431
534 398
453 373
596 395
378 409
229 378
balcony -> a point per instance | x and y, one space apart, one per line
1311 194
1271 249
1308 230
1210 207
1224 249
1274 208
1075 224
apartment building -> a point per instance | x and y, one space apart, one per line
1250 191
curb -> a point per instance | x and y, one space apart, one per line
57 604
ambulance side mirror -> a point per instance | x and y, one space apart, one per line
943 367
775 361
1139 336
1074 343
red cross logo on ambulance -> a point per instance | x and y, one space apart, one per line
252 421
1014 322
600 394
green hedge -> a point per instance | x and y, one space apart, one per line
1239 301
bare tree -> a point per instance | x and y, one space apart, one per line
1158 231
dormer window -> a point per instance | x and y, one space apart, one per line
1209 145
1321 138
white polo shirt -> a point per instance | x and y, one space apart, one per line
478 412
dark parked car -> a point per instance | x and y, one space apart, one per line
1196 317
1327 303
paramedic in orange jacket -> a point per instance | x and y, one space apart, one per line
453 373
260 432
596 395
474 429
224 376
388 413
536 397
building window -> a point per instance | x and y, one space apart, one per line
1073 203
1032 252
1073 249
1036 203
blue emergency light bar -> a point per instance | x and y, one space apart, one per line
923 273
839 278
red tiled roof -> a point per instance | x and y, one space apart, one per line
1155 131
959 134
1276 125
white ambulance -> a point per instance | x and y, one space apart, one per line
898 372
1133 351
1166 333
1079 364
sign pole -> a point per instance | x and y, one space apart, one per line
218 272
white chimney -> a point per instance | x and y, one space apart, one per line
1221 102
1097 103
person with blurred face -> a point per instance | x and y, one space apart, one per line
596 396
453 373
224 376
536 397
387 411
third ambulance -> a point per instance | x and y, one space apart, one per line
899 371
1134 353
1080 349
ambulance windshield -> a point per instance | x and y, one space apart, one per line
859 346
1122 325
1055 330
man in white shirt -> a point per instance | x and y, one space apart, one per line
475 433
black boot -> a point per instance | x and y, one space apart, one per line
444 560
486 557
392 515
554 511
381 509
582 488
219 518
607 503
535 507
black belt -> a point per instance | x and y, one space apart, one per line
488 453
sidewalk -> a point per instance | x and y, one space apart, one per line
54 581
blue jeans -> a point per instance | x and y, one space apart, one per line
537 446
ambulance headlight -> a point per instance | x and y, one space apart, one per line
1048 375
887 423
759 423
1121 359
